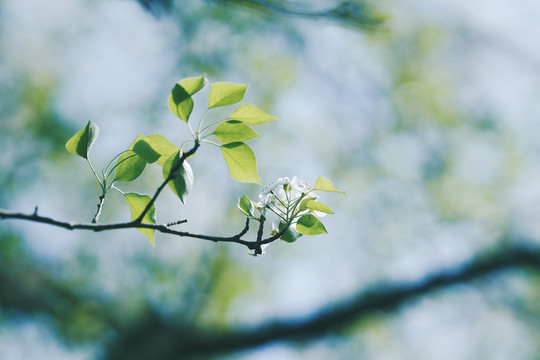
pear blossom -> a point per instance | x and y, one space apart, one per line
273 191
284 197
299 187
295 204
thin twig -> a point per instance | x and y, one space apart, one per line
99 207
258 249
177 222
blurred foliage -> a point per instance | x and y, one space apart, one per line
425 114
29 291
354 13
30 126
211 30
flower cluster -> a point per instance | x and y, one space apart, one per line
290 200
294 203
283 196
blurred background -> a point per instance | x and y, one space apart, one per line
424 112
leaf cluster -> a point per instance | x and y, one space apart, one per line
230 136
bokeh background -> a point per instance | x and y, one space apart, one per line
424 112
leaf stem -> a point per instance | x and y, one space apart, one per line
95 174
117 189
184 143
212 124
191 130
110 163
118 163
210 142
200 123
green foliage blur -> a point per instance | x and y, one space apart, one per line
423 113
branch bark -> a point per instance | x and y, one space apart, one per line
163 228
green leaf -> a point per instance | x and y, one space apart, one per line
225 93
193 85
290 235
81 143
251 114
233 131
317 206
144 147
241 162
246 206
323 184
137 203
310 225
302 205
129 167
180 101
182 184
162 146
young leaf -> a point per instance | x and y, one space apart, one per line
317 206
225 93
129 167
144 147
180 102
192 85
290 235
246 206
310 225
233 131
323 184
250 114
137 203
182 184
303 206
162 146
241 162
81 143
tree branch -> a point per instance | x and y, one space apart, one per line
163 228
183 343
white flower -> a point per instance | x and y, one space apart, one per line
284 195
299 187
283 181
270 192
264 200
